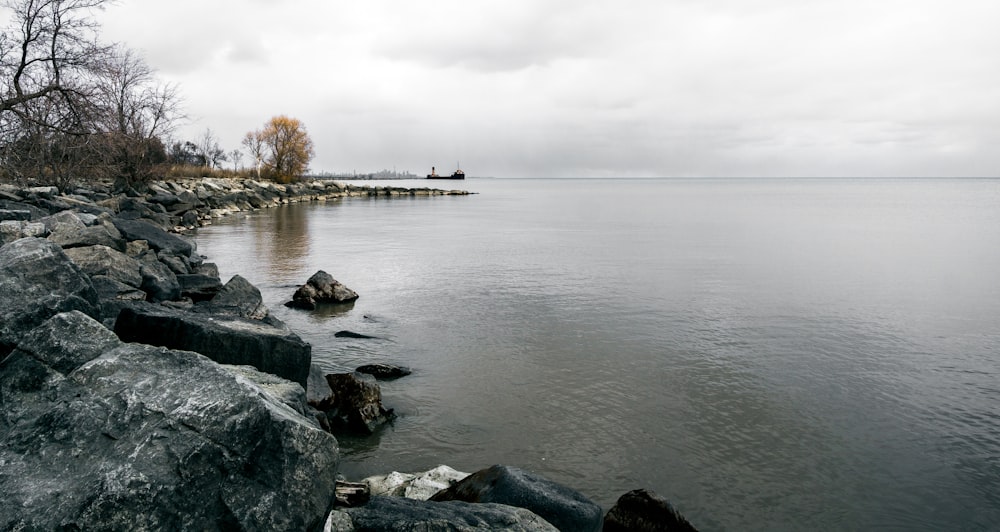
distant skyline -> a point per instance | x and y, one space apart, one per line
673 88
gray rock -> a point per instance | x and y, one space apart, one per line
109 288
64 217
158 281
11 230
176 264
102 260
73 236
408 515
238 298
207 268
225 339
38 281
110 436
317 389
355 404
199 287
565 508
16 215
321 288
155 236
645 511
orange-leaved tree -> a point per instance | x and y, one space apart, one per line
282 149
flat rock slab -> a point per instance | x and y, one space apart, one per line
409 515
224 339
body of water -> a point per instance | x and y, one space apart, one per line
767 354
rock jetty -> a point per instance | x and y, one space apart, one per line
138 391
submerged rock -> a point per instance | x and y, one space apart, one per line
352 334
355 404
384 372
645 511
321 288
567 509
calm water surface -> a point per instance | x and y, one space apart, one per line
768 354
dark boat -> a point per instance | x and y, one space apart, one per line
458 174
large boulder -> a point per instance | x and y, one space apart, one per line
102 260
237 297
99 434
321 288
159 281
199 287
224 339
38 281
70 235
567 509
157 238
409 515
645 511
355 404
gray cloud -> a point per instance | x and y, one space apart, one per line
676 87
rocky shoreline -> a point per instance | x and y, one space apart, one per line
138 391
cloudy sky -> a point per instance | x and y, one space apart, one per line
526 88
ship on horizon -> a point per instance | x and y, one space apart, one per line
457 174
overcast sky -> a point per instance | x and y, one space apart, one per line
526 88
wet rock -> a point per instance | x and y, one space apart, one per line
355 404
99 434
645 511
321 288
225 339
38 281
408 515
565 508
384 372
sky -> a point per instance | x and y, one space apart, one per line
592 88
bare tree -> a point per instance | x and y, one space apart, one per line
254 142
136 111
47 58
208 144
236 156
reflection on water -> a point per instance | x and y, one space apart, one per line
282 240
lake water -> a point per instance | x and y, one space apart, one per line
767 354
